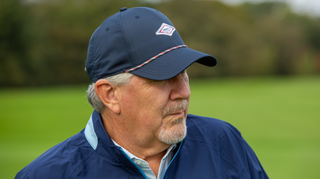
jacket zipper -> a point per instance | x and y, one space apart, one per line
134 164
172 159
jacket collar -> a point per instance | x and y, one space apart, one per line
101 142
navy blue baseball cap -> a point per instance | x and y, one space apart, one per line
141 41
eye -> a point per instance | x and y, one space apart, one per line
184 72
156 82
159 82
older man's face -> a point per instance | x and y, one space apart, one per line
156 111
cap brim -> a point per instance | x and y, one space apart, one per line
171 64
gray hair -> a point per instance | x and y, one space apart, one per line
117 80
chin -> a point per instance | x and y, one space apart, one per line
174 134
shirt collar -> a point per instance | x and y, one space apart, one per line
145 166
100 141
135 158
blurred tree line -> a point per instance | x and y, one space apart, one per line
45 42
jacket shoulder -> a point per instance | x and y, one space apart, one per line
59 161
225 145
200 126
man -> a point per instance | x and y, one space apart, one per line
140 93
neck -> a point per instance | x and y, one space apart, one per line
155 161
146 147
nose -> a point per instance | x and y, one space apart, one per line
180 87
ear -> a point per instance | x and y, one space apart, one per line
107 94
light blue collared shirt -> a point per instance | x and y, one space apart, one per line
145 166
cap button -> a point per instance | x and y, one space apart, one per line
123 9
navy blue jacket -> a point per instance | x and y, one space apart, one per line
212 149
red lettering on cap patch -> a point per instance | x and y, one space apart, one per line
165 29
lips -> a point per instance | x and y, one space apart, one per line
178 113
177 109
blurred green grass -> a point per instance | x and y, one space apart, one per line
279 117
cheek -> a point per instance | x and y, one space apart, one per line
152 102
149 113
127 104
151 110
146 105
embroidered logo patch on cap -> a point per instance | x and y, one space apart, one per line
165 29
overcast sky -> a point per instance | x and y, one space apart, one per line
311 7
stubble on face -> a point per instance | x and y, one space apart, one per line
175 131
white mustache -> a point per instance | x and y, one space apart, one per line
180 106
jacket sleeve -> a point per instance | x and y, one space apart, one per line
238 158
